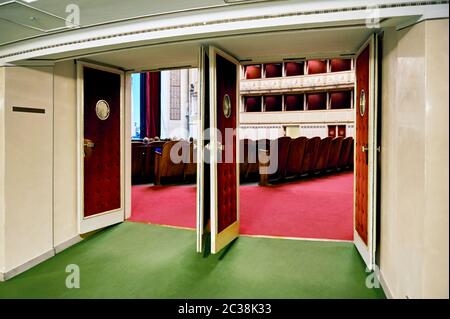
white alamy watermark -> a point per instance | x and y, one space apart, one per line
73 279
73 17
373 278
220 147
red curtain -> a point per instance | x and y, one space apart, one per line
152 105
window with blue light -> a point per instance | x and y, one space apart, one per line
136 106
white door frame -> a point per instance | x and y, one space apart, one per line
220 240
87 224
200 147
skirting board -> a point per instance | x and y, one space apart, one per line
68 243
29 264
35 261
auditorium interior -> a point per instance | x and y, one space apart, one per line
309 195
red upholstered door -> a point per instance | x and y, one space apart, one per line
224 113
362 143
365 141
102 186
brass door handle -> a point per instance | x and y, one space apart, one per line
219 146
364 149
89 144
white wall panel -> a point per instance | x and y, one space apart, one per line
28 165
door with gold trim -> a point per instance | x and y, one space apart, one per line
365 151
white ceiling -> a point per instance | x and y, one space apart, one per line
20 20
313 40
255 47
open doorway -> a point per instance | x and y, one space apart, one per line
306 96
302 111
309 195
164 128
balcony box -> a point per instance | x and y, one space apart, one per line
317 66
273 70
294 102
252 103
340 100
338 65
317 101
273 103
294 68
253 72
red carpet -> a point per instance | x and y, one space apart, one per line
164 205
311 208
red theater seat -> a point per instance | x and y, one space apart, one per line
340 100
345 152
316 101
295 157
350 157
143 161
253 72
324 152
335 151
252 103
294 68
263 143
310 156
243 158
138 155
317 66
294 102
273 70
337 65
273 103
278 155
253 161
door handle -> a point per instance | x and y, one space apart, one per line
88 143
88 146
220 147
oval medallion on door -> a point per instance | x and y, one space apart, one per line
102 110
226 105
362 103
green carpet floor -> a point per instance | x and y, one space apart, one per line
134 260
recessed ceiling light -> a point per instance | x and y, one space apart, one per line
29 1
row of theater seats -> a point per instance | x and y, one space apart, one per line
143 161
168 171
151 163
295 157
